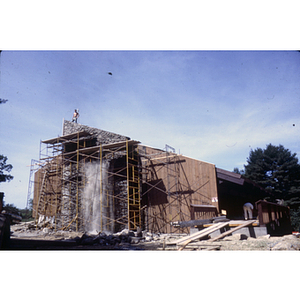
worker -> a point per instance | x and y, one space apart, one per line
75 116
248 208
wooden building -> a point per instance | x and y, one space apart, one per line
134 185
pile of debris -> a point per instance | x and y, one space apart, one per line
127 239
121 240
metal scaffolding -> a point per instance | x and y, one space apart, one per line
79 186
164 201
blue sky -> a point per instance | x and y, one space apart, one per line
213 106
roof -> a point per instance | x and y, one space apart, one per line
230 176
237 178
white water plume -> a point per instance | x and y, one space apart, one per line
95 205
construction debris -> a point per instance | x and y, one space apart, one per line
28 235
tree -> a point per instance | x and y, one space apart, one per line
5 168
238 171
26 213
277 170
10 208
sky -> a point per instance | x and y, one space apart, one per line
214 106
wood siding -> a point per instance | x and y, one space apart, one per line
47 189
171 184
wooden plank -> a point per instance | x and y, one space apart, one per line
202 233
164 163
247 223
67 137
233 224
185 238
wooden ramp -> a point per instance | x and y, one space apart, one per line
198 235
246 223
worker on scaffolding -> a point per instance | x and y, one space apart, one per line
248 208
75 115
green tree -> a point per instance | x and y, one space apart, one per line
238 171
11 208
4 167
26 213
276 169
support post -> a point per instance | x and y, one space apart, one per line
101 192
77 182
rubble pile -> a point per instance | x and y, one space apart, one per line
123 238
127 239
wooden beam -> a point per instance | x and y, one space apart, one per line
166 163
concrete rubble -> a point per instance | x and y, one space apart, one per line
143 240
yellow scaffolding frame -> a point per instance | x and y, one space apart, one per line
133 188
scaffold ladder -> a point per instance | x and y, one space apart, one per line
133 187
42 194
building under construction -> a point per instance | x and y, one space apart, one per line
93 180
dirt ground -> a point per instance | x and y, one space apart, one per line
26 236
